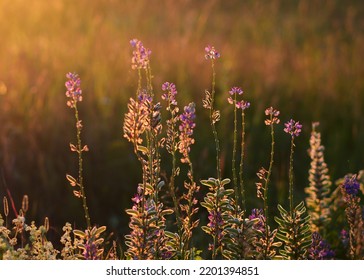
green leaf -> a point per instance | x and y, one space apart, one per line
142 149
206 229
207 205
225 181
170 234
100 230
282 210
79 233
167 212
132 212
160 185
228 192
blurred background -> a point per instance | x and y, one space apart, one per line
302 57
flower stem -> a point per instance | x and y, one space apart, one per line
266 214
212 121
233 162
242 188
80 168
291 177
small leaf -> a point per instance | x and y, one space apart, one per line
142 149
72 180
73 148
85 149
79 233
167 212
206 229
160 185
225 181
132 212
170 234
77 194
100 230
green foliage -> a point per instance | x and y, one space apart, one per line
294 231
239 237
319 190
219 204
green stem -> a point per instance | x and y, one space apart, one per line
233 163
291 178
192 189
80 168
242 188
214 131
266 214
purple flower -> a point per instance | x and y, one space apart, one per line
351 185
320 249
170 92
292 127
258 214
140 59
239 104
73 86
90 251
242 104
273 116
236 90
211 53
186 128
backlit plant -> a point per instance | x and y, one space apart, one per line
166 221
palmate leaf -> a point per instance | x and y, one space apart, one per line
294 231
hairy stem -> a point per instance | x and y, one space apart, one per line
212 121
291 178
80 168
242 188
233 162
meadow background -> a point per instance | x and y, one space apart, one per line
305 58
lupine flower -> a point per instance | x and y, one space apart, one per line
242 104
74 92
236 90
292 127
186 128
211 53
216 223
239 104
170 92
320 249
351 185
273 113
258 214
140 59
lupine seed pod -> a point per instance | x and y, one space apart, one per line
25 203
6 206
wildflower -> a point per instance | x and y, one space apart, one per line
258 214
351 185
186 128
320 249
236 90
74 92
170 92
211 53
140 59
273 113
292 127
